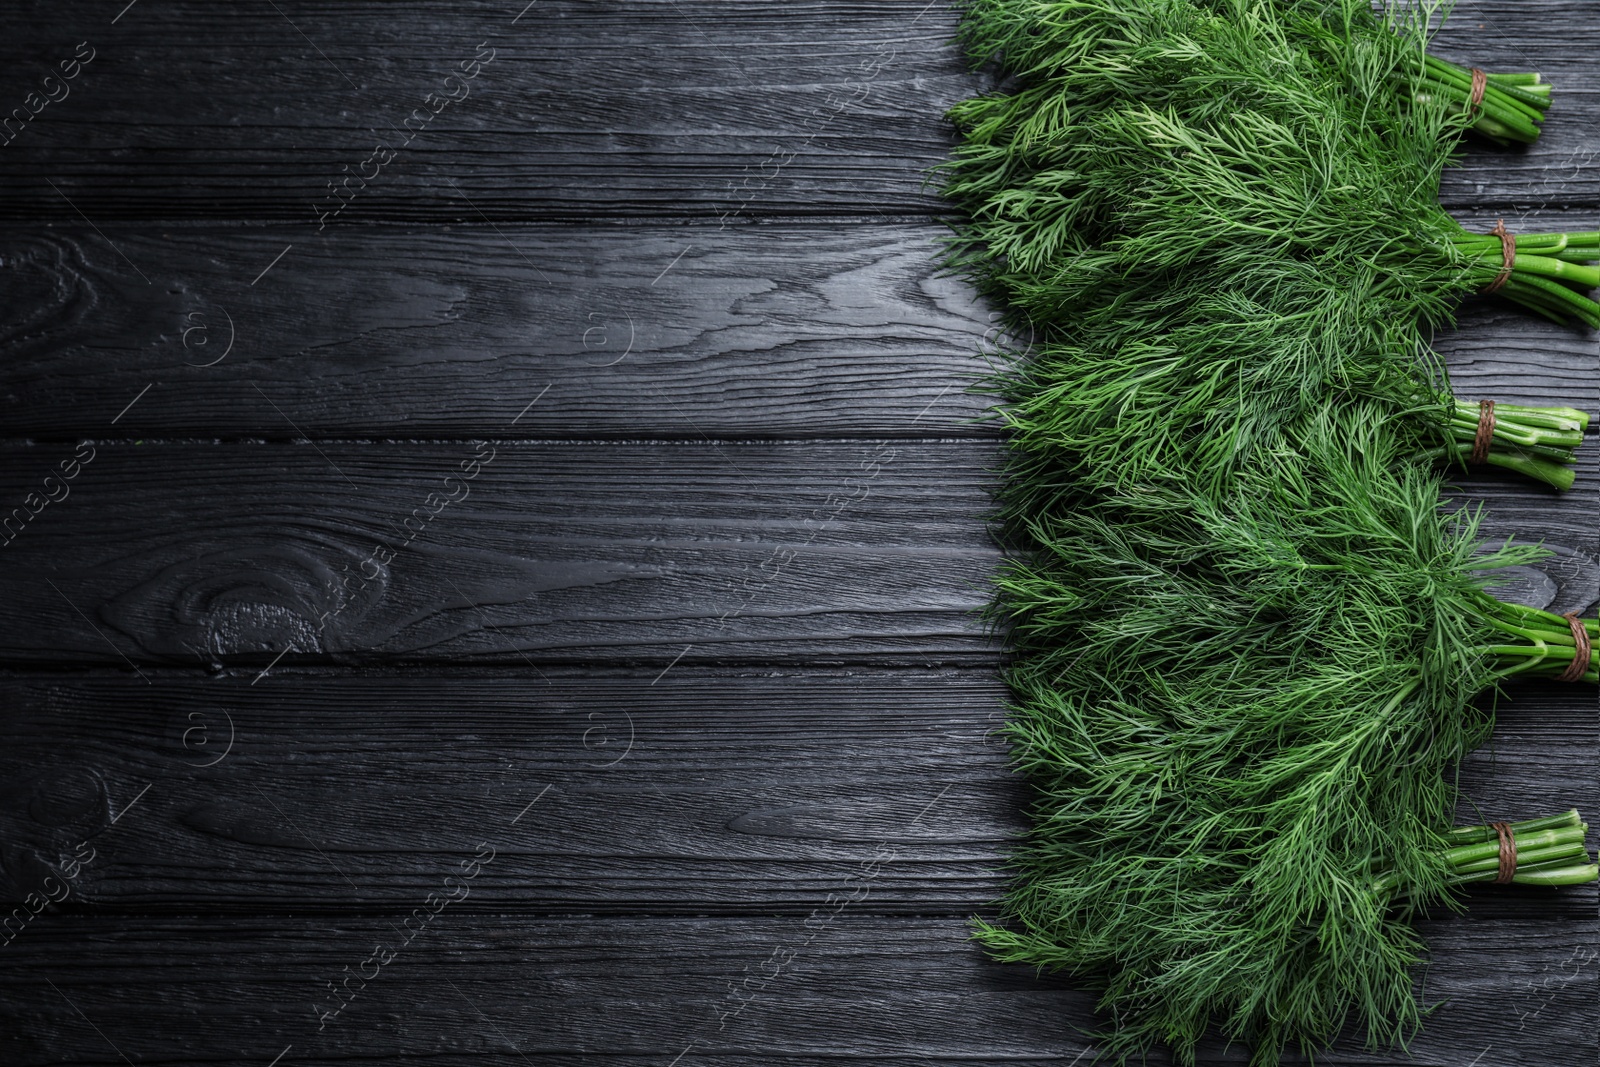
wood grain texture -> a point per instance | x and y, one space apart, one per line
199 553
698 791
602 792
825 329
475 989
850 551
794 330
637 109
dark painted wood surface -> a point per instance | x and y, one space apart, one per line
731 791
692 551
786 330
778 330
801 991
744 551
637 109
695 654
249 842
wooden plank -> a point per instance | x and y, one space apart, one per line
799 331
256 554
691 791
629 793
1500 351
640 109
802 992
728 552
828 329
637 109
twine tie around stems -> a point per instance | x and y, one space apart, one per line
1508 257
1508 852
1485 435
1480 82
1580 652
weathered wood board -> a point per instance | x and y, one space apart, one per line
827 551
470 989
824 329
643 109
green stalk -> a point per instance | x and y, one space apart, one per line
1570 419
1503 95
1525 81
1535 299
1577 874
1550 649
1512 106
1469 858
1550 851
1509 428
1540 443
1539 468
1495 131
1575 275
1548 274
1508 117
1531 856
1468 835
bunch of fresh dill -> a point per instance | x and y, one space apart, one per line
1246 642
1241 713
1506 108
1181 199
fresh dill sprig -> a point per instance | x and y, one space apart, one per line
1241 714
1197 202
1248 649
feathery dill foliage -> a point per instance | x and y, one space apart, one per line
1246 643
1512 106
1209 216
1241 713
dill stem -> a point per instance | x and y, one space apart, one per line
1546 851
1498 97
1575 305
1505 112
1464 857
1542 637
1552 648
1574 273
1555 418
1555 624
1549 274
1466 835
1511 429
1538 443
1496 132
1578 874
1530 855
1551 473
1536 301
1528 81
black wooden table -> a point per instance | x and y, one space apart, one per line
493 531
